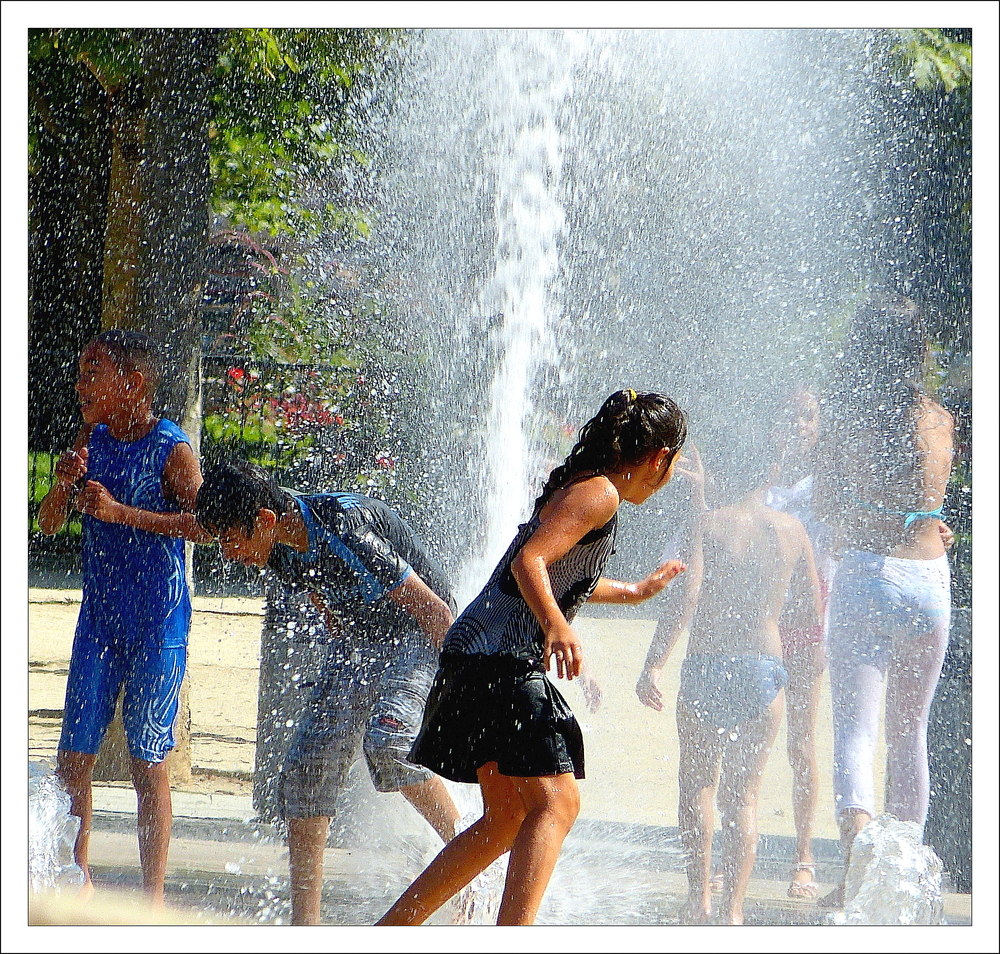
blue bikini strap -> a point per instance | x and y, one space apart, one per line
913 515
910 516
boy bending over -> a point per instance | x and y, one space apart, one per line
358 559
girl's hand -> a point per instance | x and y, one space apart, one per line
593 694
615 591
562 645
72 467
96 501
648 689
947 535
659 578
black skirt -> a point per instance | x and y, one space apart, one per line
496 708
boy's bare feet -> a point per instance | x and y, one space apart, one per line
727 919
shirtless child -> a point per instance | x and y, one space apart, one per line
747 562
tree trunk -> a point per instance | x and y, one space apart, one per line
175 179
123 237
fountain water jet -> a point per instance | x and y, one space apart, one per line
685 211
526 164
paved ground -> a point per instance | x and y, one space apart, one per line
621 865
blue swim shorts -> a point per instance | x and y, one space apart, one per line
108 657
726 691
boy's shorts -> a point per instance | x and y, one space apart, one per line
108 657
727 691
367 698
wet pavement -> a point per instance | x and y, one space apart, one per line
225 866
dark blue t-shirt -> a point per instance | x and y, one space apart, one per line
360 550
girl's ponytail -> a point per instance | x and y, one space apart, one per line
628 427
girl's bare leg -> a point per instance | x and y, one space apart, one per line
697 777
743 763
154 818
467 854
805 667
306 844
551 805
75 771
850 824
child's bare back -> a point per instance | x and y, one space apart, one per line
752 558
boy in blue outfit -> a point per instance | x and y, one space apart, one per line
390 606
135 478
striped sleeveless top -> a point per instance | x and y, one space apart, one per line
499 621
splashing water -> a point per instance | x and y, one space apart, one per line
479 901
616 875
52 832
892 878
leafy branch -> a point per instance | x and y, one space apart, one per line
933 58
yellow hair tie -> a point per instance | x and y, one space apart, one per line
632 396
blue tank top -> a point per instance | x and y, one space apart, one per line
131 575
498 620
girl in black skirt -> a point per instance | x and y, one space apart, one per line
492 716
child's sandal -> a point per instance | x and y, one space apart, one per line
803 889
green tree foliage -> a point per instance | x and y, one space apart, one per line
933 100
285 115
288 106
113 56
933 58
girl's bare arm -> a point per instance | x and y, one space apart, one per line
583 507
618 591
